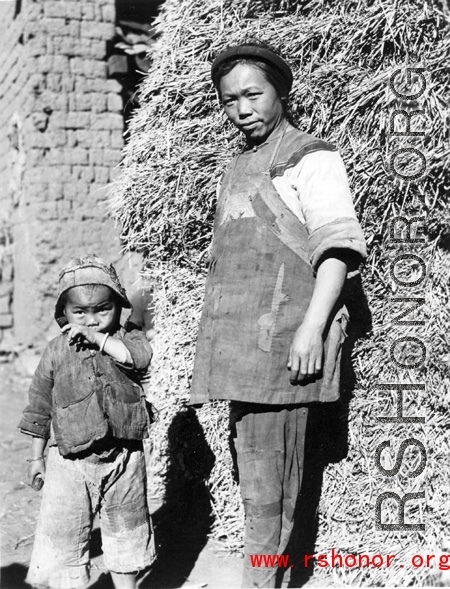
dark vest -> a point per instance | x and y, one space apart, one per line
259 286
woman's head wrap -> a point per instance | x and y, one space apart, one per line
258 52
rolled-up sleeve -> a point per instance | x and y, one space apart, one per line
139 347
37 417
321 183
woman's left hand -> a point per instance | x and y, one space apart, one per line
306 353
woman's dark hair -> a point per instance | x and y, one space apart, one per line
272 74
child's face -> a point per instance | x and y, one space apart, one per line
92 306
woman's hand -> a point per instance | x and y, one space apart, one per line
306 353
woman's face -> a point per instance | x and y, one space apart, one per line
251 102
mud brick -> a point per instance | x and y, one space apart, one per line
35 157
108 13
56 191
83 137
87 11
55 157
83 101
114 173
77 65
116 139
74 29
100 139
5 304
99 103
60 63
57 139
64 208
99 193
115 103
7 272
6 286
44 64
48 174
67 46
109 121
96 157
45 211
77 120
54 9
112 157
37 47
72 140
69 191
72 9
95 69
97 49
113 86
39 191
55 27
76 156
50 101
97 30
6 320
84 173
62 9
68 83
101 175
54 82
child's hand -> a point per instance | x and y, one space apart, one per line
80 334
36 473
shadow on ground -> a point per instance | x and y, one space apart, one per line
183 523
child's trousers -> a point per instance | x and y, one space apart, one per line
74 490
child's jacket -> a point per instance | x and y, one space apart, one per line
85 395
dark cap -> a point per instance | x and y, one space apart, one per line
255 52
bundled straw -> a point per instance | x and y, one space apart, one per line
343 56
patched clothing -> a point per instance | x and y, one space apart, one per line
86 395
261 280
94 412
76 489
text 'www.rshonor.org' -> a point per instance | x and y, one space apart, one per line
408 271
334 559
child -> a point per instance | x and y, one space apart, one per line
87 402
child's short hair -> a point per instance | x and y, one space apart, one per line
88 270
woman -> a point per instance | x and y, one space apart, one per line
285 238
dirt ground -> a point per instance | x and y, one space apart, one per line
187 557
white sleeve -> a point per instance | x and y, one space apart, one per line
320 183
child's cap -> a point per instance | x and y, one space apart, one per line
88 269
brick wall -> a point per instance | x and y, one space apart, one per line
62 136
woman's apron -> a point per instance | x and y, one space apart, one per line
258 289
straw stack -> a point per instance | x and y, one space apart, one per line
343 56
